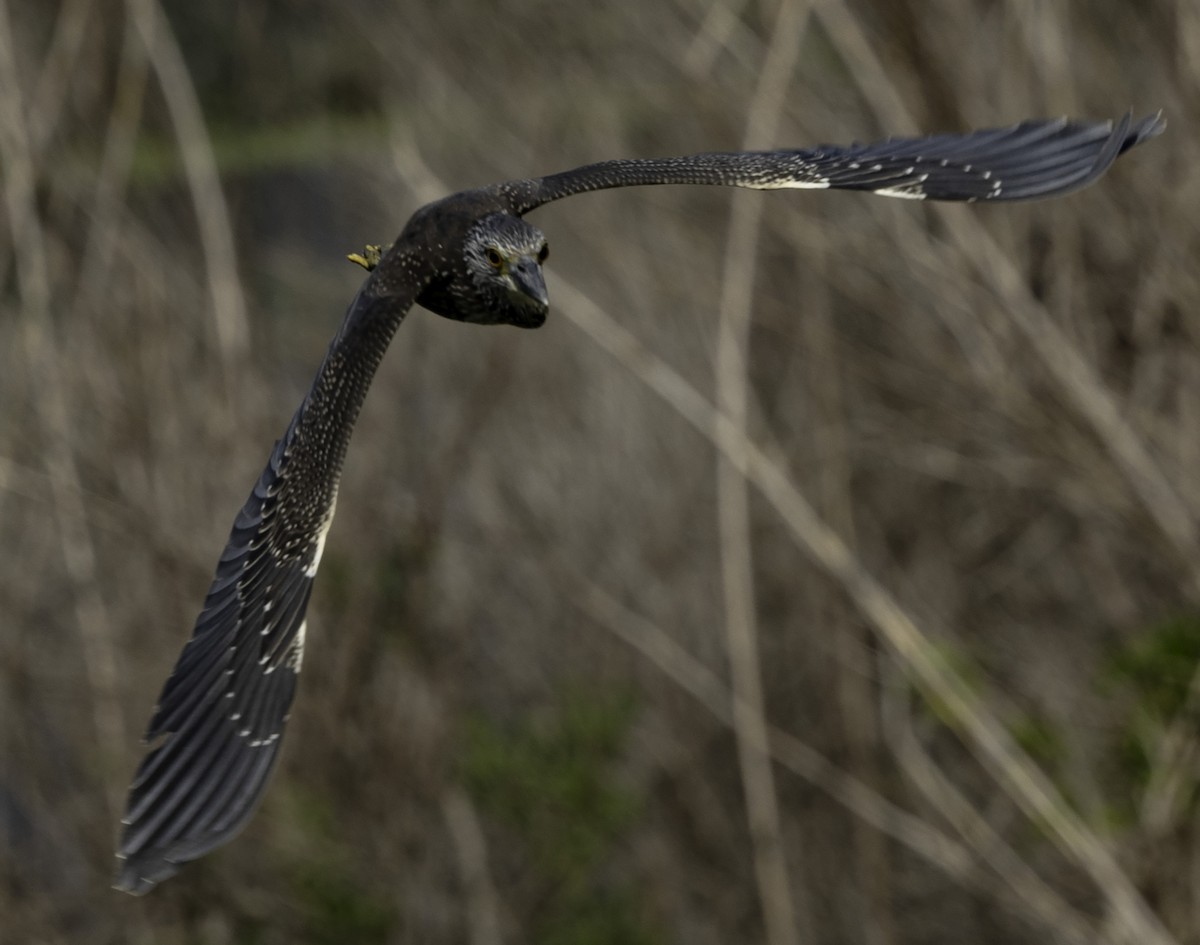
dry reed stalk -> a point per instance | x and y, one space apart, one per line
204 182
1012 768
733 499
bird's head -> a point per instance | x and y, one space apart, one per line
494 276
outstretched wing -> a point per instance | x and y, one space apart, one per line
220 719
223 710
1025 161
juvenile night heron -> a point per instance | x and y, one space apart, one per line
217 728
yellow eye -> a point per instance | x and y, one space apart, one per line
543 253
495 260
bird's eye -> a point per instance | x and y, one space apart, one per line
495 260
543 253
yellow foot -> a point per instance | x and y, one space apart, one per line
369 257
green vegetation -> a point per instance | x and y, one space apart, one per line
955 661
304 142
1159 666
1040 739
337 910
331 902
1153 674
550 781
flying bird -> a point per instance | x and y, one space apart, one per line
216 730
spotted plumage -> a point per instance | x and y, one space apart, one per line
216 731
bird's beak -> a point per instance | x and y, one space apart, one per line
526 275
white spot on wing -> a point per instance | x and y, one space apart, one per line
311 570
904 191
788 185
296 656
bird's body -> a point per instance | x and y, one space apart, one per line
471 257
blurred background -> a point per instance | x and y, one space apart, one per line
903 650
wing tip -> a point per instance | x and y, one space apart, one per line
1125 134
1116 137
1146 128
137 875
